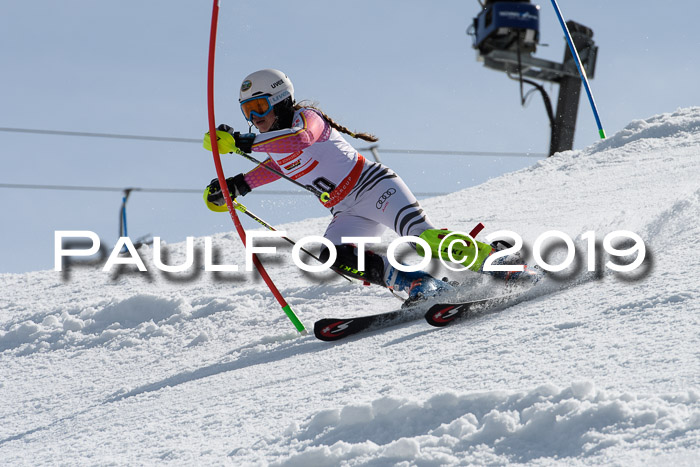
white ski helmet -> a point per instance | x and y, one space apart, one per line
268 82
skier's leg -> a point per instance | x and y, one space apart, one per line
378 271
347 260
383 196
346 223
381 200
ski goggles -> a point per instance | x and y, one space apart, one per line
261 105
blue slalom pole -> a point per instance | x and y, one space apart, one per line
122 218
581 70
123 232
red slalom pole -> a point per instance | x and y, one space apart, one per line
222 178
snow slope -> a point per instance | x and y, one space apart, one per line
200 367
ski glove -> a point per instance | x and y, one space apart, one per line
229 140
214 197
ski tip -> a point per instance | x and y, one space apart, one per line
441 315
330 330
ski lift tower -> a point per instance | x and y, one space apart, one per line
506 34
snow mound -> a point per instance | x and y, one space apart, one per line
682 126
119 322
496 427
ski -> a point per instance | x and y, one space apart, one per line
333 329
442 314
439 314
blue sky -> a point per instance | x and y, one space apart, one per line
404 71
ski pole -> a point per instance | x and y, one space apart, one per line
581 70
322 195
222 178
245 211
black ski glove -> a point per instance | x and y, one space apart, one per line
237 186
244 141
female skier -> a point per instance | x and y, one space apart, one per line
305 144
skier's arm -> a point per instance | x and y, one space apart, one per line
308 128
261 176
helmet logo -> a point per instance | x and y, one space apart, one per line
278 83
246 85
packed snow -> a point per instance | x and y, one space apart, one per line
198 367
